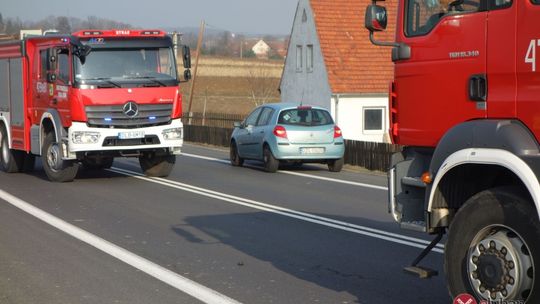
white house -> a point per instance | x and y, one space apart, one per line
261 49
331 63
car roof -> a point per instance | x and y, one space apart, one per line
289 105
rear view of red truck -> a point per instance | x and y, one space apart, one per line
464 103
86 98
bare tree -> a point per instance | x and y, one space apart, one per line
261 84
62 25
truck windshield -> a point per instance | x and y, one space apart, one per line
152 65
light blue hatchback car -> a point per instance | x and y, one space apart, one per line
288 133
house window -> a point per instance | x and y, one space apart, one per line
304 17
299 58
309 58
373 120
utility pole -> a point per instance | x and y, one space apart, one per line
199 49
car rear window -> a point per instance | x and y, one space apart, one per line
305 117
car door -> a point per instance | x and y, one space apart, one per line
261 130
244 138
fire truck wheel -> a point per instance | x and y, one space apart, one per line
158 166
492 250
57 170
335 165
11 161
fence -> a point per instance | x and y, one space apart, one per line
212 119
218 128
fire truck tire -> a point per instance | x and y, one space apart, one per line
156 165
11 161
57 170
492 250
335 165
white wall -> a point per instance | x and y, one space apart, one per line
349 111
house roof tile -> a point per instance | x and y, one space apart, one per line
354 65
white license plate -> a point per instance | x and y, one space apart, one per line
312 150
131 135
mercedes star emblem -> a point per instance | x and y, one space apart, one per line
131 109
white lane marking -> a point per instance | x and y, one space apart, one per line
328 179
175 280
376 233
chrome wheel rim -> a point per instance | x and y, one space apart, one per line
53 157
500 266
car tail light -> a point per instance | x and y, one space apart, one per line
337 132
280 131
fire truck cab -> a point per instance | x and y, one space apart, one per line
86 98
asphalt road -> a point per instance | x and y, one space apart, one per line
209 233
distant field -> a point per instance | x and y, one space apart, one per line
224 84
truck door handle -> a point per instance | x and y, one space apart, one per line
478 87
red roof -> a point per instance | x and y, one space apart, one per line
354 65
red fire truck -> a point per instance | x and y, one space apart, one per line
465 104
86 98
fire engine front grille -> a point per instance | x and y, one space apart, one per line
114 116
115 141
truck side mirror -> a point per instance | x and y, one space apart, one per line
186 56
376 18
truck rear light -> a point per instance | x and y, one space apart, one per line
280 131
337 132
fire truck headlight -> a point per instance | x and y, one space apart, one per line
172 134
82 137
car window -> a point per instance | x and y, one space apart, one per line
266 114
251 120
305 117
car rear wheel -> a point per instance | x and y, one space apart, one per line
271 164
236 160
492 250
335 165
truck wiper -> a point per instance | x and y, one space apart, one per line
153 79
105 80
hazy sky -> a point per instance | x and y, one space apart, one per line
250 16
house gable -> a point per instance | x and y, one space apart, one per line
305 77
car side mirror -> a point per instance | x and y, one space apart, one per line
237 124
376 18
